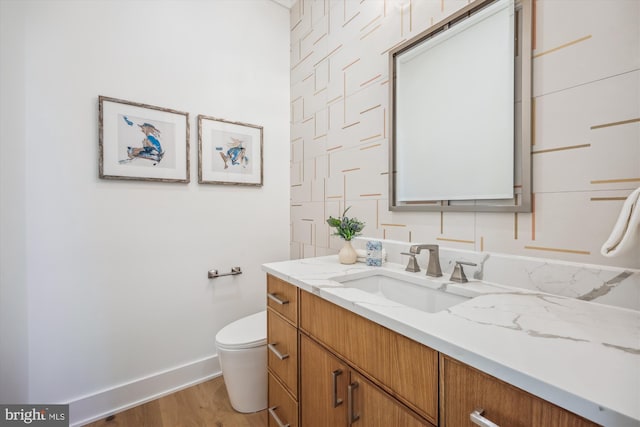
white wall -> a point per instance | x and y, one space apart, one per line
13 292
114 272
586 139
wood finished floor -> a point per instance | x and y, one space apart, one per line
203 405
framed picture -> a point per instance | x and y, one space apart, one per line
142 142
229 152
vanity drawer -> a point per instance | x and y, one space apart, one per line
282 351
282 297
404 368
283 409
464 390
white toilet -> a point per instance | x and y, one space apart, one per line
242 347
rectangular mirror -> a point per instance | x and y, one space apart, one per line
460 131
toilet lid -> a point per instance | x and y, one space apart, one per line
248 332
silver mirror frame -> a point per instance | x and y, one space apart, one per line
521 201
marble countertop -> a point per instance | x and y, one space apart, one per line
582 356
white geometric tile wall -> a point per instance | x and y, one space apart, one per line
586 125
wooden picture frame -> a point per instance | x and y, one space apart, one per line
142 142
229 152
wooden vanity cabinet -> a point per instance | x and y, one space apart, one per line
464 389
333 394
330 367
324 386
403 368
282 350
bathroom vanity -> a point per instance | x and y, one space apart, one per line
344 348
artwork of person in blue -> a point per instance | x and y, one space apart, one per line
151 148
236 153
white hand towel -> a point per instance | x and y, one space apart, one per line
627 229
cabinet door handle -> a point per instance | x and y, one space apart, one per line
477 418
350 403
275 351
272 411
336 400
277 299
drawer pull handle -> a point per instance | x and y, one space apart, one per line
336 400
275 351
350 403
272 411
277 299
477 418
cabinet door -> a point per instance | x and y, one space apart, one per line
406 369
323 387
282 340
369 406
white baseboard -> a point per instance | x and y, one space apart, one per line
116 399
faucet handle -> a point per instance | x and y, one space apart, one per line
458 272
413 262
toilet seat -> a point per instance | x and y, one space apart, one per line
248 332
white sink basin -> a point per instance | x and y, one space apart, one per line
405 292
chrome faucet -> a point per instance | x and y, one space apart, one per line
433 269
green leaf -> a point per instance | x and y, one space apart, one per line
333 222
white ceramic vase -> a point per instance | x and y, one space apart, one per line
347 254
